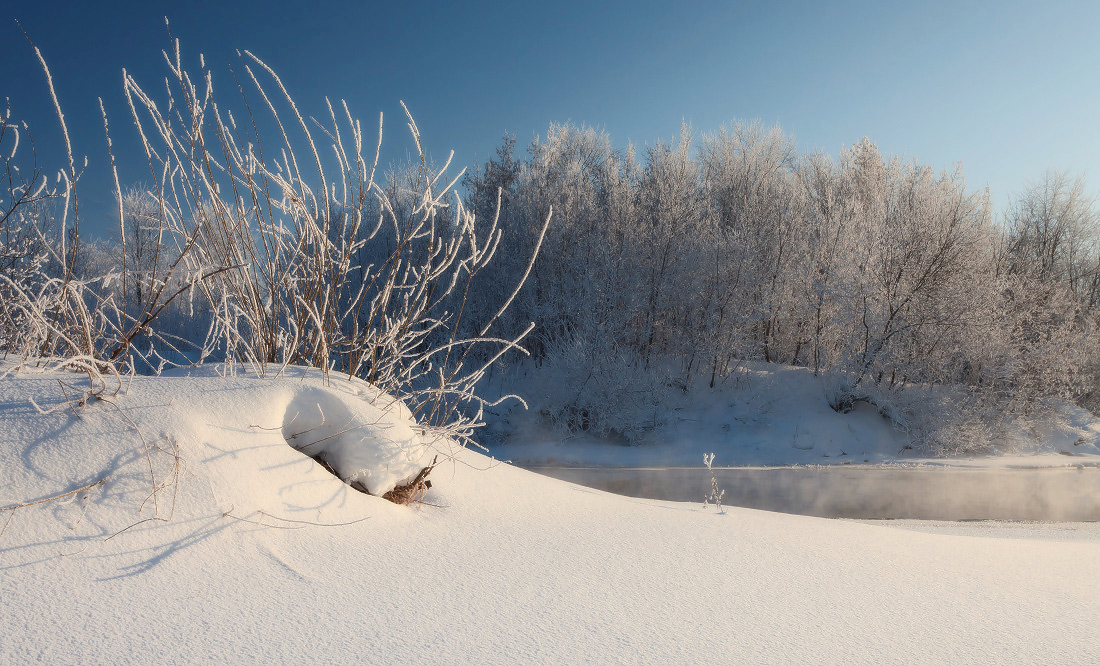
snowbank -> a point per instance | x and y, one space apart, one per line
267 557
770 415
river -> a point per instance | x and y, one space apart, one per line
866 492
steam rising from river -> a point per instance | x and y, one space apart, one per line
927 493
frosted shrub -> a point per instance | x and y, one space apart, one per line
284 251
583 388
24 215
45 309
306 259
58 309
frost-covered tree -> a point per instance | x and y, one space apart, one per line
748 175
145 255
666 245
1053 235
1049 266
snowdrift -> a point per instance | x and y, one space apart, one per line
212 539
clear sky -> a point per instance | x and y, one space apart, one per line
1009 89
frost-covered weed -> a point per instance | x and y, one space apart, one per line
716 494
262 252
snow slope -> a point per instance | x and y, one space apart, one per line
503 565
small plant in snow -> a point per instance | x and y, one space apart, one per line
716 493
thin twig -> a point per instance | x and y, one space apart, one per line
306 522
55 497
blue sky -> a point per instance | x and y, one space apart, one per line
1008 89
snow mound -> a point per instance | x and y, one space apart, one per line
368 437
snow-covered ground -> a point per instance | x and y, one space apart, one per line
767 416
263 556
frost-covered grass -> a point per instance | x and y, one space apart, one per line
236 255
266 557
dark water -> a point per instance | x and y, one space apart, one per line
926 493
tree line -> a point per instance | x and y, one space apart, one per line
891 283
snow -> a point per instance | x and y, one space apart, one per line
267 557
367 437
773 415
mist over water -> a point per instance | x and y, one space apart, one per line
927 493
